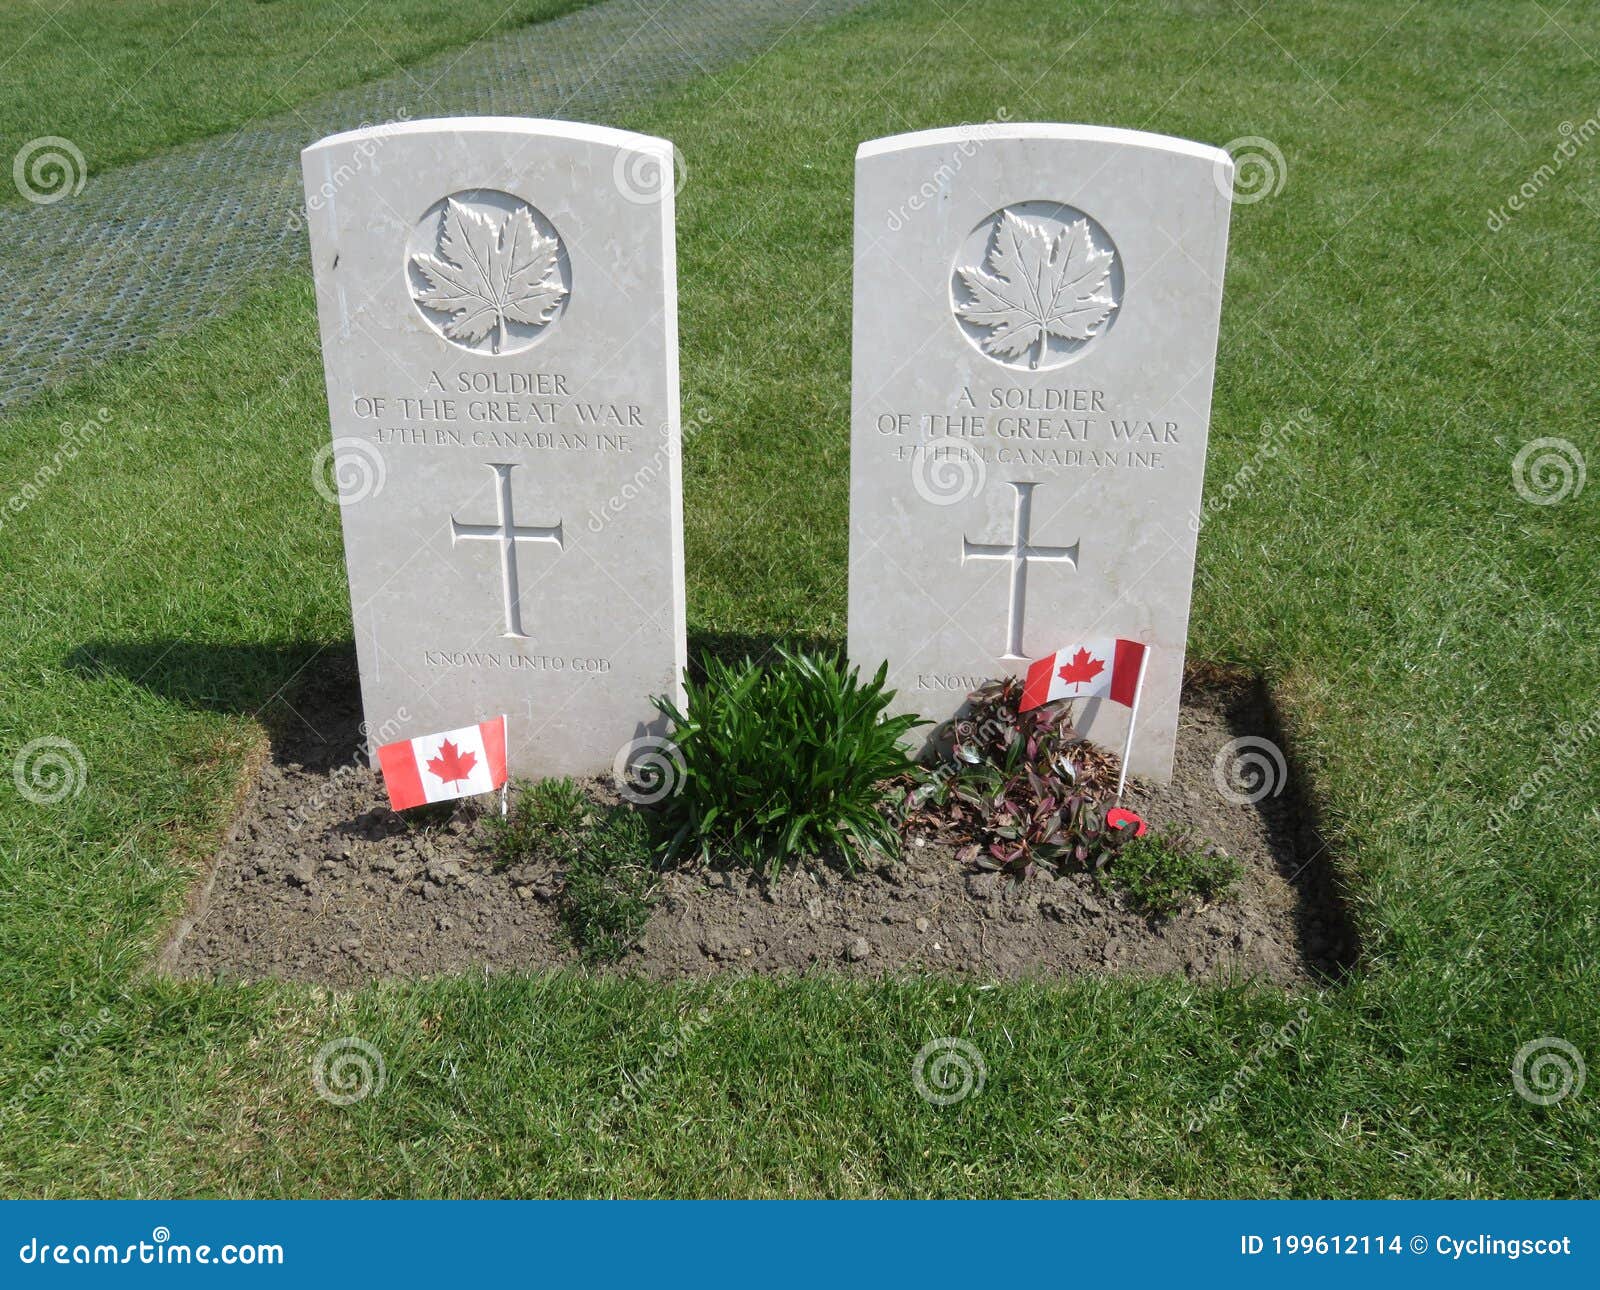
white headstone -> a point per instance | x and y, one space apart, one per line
1035 330
498 304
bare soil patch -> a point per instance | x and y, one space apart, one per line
319 881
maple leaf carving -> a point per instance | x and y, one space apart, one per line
1037 286
489 272
452 764
1081 668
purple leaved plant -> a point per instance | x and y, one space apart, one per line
1018 789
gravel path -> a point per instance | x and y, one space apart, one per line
146 251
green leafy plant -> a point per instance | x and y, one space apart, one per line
785 760
1161 873
606 854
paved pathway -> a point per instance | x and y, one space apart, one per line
145 251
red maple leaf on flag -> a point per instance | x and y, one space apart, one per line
1082 667
451 764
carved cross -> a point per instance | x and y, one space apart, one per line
507 534
1020 553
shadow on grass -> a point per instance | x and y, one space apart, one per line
306 693
254 679
735 647
1329 936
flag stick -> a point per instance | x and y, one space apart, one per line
505 735
1133 716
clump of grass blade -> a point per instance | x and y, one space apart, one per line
1162 872
606 854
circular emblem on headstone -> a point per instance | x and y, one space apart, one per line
488 271
1035 284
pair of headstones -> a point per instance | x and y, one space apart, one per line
1035 329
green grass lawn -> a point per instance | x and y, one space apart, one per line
123 80
1428 633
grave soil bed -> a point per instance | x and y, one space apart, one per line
319 881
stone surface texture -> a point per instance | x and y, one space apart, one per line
1036 312
498 305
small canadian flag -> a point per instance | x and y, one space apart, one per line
436 768
1105 668
1097 669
